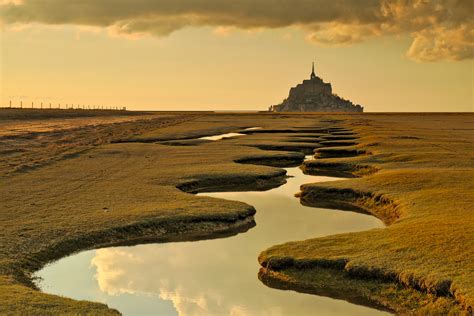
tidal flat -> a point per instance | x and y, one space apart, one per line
136 184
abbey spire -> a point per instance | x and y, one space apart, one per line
313 75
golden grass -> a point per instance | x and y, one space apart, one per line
423 190
52 135
125 193
417 176
389 296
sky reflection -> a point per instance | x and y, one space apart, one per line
211 277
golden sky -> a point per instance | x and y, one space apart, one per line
386 55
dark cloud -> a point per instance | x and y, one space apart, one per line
441 29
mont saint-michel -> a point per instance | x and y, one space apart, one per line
315 95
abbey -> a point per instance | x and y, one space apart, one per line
315 95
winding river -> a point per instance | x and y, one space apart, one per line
210 277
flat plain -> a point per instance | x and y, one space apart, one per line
71 184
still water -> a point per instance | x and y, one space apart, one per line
221 136
229 135
210 277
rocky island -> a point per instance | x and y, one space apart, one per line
315 95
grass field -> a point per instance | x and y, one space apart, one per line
416 176
33 138
423 190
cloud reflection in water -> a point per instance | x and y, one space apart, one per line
212 277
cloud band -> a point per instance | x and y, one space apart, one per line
440 29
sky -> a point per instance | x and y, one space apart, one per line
387 55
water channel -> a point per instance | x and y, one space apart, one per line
222 136
210 277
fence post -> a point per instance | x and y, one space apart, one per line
41 105
21 104
10 104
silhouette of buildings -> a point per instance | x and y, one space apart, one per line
314 95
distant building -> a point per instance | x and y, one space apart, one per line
314 95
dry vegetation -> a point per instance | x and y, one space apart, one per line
125 193
417 178
423 190
52 135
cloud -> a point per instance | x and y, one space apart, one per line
441 43
441 29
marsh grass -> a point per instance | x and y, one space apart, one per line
417 177
57 209
423 189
